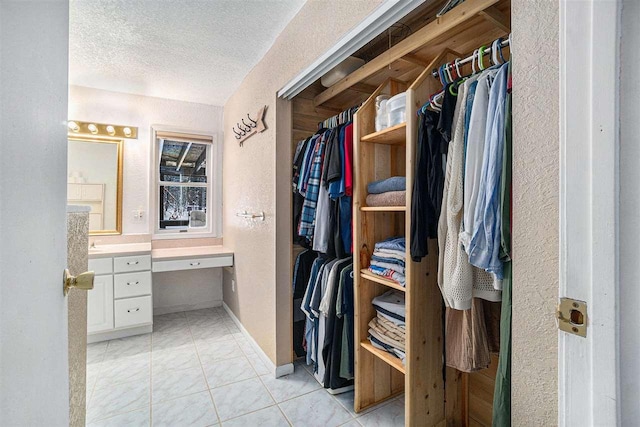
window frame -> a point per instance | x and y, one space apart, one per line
213 184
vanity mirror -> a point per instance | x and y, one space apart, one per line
94 179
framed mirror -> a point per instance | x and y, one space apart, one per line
94 179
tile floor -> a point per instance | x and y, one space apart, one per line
198 369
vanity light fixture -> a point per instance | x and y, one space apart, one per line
73 126
102 129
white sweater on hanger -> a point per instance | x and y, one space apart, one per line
458 280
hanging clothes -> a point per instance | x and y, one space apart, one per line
484 248
459 281
322 186
502 392
301 275
428 185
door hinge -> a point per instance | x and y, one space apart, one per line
572 316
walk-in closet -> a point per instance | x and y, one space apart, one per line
401 175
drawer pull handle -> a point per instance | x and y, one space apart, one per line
195 264
132 283
133 309
132 263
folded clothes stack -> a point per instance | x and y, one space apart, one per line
388 259
388 192
387 330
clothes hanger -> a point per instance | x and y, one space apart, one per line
495 48
448 71
473 62
457 64
481 57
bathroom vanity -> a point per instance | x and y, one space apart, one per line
121 302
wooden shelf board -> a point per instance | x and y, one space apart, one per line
383 209
388 358
366 274
395 135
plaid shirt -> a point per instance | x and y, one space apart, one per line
307 221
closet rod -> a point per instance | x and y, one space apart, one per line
468 59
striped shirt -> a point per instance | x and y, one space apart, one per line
307 221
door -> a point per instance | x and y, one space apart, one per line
100 305
34 372
589 146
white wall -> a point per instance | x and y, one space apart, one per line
172 292
629 220
97 163
86 104
34 371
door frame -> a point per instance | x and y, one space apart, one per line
588 383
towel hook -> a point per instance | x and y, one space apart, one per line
254 123
238 134
247 125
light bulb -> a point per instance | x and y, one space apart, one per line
111 130
127 131
93 128
73 126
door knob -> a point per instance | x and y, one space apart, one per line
81 281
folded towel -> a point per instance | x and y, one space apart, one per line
390 198
388 274
395 183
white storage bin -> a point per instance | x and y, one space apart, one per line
396 108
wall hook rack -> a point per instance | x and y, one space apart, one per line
247 130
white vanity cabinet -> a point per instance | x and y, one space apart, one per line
120 302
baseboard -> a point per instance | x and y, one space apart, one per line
186 307
119 333
278 371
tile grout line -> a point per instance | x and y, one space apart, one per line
151 377
204 374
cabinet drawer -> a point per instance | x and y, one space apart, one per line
132 284
101 265
131 263
193 263
132 311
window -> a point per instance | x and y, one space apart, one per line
183 184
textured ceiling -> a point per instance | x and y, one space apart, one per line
197 51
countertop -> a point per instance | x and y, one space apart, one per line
124 249
168 254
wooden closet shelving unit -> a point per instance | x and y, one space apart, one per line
465 399
392 152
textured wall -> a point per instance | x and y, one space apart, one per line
535 25
314 29
77 262
86 104
629 208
